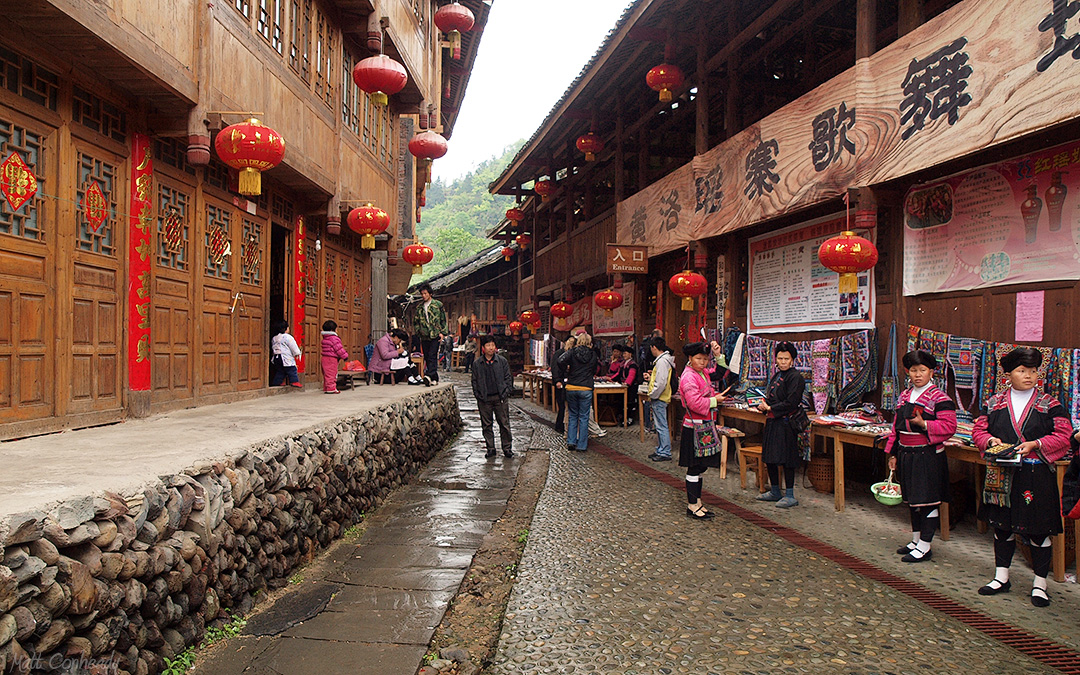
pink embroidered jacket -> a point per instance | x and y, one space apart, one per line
696 392
939 411
1044 419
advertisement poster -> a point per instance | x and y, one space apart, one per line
1010 223
621 320
791 291
582 316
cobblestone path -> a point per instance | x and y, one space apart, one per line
616 579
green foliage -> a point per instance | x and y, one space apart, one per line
185 660
458 215
523 535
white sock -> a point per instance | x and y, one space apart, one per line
1001 575
916 537
923 547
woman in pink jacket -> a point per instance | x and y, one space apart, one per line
332 350
700 401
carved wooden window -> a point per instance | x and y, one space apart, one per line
369 117
174 153
282 209
321 49
218 242
344 279
29 80
330 278
174 218
328 61
386 132
300 46
244 7
311 272
29 221
217 174
358 284
251 253
270 22
99 238
99 115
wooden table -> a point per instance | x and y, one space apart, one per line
970 455
608 389
748 414
643 397
419 361
840 437
457 357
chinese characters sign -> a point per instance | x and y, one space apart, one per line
1009 223
661 214
627 259
141 210
621 321
17 181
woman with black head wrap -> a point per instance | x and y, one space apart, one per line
1023 499
699 401
925 419
780 443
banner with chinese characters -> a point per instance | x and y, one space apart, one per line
800 155
1009 223
621 320
659 216
791 291
582 316
140 221
297 325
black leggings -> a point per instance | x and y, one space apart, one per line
774 475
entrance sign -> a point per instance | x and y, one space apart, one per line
627 259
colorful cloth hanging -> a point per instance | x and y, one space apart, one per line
912 338
961 357
820 351
890 379
759 353
1074 385
988 369
858 367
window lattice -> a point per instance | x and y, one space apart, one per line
101 240
251 256
320 52
330 278
99 115
173 152
358 290
270 22
244 7
29 221
174 215
328 60
217 175
29 80
311 272
300 46
343 282
282 208
218 225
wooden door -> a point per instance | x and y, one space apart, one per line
312 308
97 253
172 329
218 263
252 336
28 243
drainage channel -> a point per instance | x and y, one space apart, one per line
1050 653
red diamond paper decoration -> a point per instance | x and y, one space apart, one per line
94 207
17 181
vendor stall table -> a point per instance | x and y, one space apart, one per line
672 415
609 389
840 437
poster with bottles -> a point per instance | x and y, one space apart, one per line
1010 223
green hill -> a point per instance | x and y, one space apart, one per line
459 214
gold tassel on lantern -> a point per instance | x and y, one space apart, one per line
380 99
687 304
367 242
250 182
849 282
455 44
665 95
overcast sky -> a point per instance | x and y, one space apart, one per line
529 54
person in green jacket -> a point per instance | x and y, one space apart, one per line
431 326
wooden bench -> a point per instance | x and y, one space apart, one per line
347 379
747 454
728 434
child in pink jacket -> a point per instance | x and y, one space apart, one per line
332 350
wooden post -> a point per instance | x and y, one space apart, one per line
643 159
731 104
378 294
911 16
701 128
865 28
620 151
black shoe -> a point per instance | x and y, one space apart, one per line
904 550
571 447
508 453
660 458
489 454
910 558
1040 600
700 514
990 590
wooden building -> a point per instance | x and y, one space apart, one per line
137 279
947 128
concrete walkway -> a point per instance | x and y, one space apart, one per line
125 456
372 607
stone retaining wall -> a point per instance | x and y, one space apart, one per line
113 585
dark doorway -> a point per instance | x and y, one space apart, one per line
279 255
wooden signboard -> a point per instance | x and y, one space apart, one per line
627 259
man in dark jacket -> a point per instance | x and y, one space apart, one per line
492 384
558 381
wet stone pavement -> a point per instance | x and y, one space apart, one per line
616 579
372 607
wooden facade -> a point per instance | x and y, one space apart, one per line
72 110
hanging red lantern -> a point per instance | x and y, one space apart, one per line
426 146
380 76
507 253
544 188
417 255
591 145
530 318
688 285
608 300
515 214
664 78
523 240
561 310
454 19
515 326
367 221
250 147
848 254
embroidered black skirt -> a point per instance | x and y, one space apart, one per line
923 474
1034 502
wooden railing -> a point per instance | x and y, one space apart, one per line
578 258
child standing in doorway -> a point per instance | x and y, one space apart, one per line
284 350
332 350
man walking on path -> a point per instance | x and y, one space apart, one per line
431 327
660 396
491 385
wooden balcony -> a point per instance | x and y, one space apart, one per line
575 258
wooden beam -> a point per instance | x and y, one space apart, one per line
643 161
620 150
701 126
810 15
865 28
744 36
911 15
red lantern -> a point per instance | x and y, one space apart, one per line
379 76
608 300
591 145
663 78
454 19
561 310
688 285
848 254
368 220
507 252
530 318
544 188
523 240
515 214
250 148
427 146
417 255
515 326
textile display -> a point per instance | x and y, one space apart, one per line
962 358
937 343
759 353
912 338
819 374
858 358
890 380
988 368
1003 348
735 361
1074 402
1058 384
